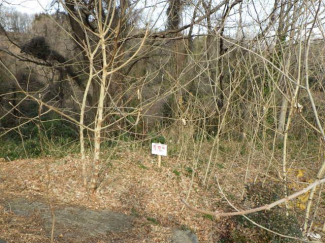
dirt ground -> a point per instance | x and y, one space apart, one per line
135 200
147 199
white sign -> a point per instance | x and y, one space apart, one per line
159 149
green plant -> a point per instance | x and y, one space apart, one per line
208 216
153 220
176 172
220 165
243 150
159 139
189 170
141 166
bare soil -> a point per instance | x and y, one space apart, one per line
135 202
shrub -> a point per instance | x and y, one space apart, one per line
241 230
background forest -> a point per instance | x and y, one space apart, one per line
234 88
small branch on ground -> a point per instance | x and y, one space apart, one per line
265 207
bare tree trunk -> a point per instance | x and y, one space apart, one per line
282 116
102 29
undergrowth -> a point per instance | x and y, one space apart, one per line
240 229
53 137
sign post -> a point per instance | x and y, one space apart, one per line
160 150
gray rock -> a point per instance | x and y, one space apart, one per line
74 219
183 236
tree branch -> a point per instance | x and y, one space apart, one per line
168 32
265 207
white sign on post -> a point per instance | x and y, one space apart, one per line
159 149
